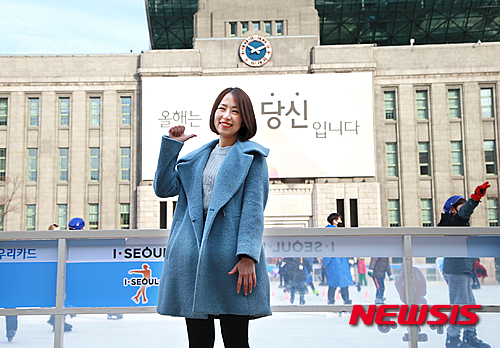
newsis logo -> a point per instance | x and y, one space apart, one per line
144 282
414 314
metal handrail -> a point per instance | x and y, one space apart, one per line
270 232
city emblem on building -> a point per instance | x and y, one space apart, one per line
255 50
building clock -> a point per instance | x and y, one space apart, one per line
255 50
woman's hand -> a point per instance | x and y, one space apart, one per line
177 133
246 275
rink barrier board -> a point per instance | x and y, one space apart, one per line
406 242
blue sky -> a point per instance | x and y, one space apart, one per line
73 26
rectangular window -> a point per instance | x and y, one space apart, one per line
279 28
457 167
2 216
353 205
256 25
125 163
34 112
124 216
95 111
93 216
3 163
94 163
487 102
63 164
424 159
490 158
30 217
390 105
341 210
493 212
64 112
267 27
126 111
32 164
244 27
232 26
393 206
163 215
454 103
62 216
392 159
426 212
422 111
3 111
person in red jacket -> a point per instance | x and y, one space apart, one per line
362 271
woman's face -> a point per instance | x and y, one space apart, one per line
227 121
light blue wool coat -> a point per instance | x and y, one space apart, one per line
195 281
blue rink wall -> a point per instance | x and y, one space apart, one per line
109 284
28 273
26 284
111 272
99 272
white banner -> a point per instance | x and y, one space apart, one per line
316 125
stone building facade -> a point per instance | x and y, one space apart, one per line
62 108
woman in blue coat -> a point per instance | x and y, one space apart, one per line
338 271
338 275
215 264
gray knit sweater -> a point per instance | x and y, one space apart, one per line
210 173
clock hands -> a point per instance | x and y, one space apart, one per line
256 49
260 48
253 49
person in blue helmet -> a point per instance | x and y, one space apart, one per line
458 270
76 223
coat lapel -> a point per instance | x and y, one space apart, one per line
190 170
231 175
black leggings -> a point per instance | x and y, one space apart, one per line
234 329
